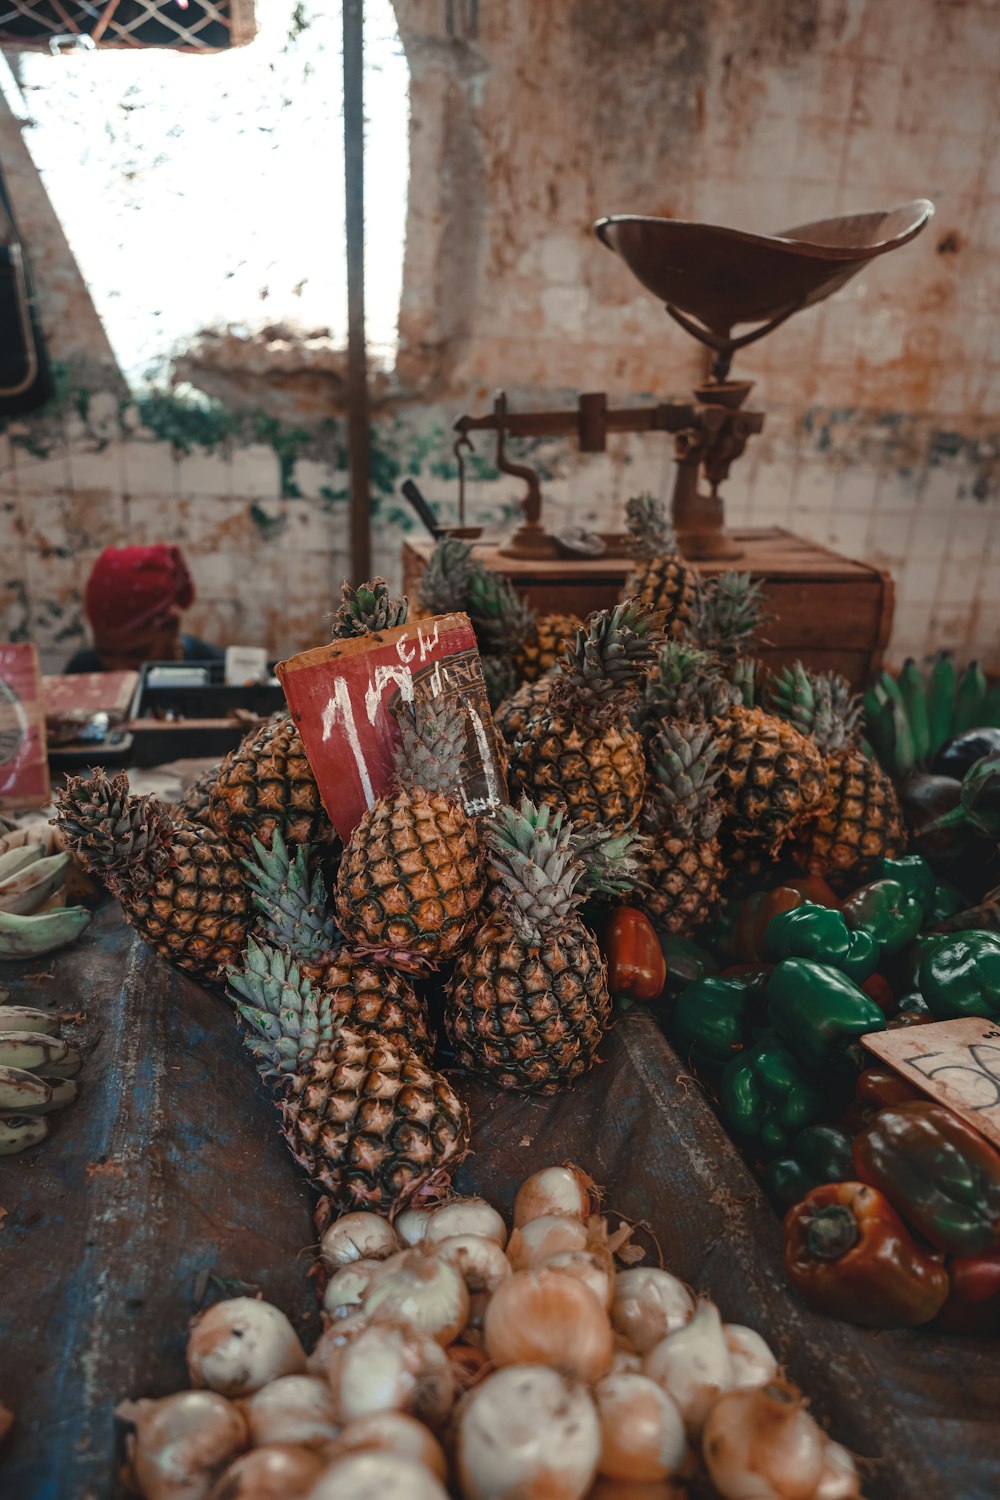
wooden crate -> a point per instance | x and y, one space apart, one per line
831 612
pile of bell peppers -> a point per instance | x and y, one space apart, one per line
891 1203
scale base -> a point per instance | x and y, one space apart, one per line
533 542
707 546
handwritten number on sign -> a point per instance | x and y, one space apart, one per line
981 1073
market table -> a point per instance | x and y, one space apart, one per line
169 1168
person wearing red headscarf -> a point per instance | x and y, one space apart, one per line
133 602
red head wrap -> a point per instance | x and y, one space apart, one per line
134 589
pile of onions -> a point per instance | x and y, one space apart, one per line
533 1361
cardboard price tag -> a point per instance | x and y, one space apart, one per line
956 1062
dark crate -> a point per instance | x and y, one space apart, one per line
203 726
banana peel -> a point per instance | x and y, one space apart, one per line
42 932
27 891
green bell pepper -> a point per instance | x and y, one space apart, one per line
913 873
820 1153
686 962
767 1096
818 1011
886 910
713 1019
959 975
947 901
817 932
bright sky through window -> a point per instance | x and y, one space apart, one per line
203 191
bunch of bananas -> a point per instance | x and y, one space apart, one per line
36 1075
911 717
34 917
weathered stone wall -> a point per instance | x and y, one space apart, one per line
529 121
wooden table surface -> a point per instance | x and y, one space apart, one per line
170 1167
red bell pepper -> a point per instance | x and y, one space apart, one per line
878 988
757 910
973 1304
637 970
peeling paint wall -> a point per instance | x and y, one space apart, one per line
528 122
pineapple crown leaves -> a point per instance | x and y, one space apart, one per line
286 1017
532 855
121 838
728 612
367 609
292 900
682 789
500 617
432 747
444 583
820 704
612 653
650 531
614 863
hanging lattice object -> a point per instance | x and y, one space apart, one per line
180 25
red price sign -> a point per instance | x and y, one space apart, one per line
955 1062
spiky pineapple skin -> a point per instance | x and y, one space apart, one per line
598 772
772 776
369 997
684 877
370 1121
195 912
267 783
411 878
516 712
553 633
192 806
528 1017
861 821
665 583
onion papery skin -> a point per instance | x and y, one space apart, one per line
277 1472
348 1287
553 1190
525 1432
424 1292
642 1432
648 1304
387 1368
411 1225
466 1216
392 1432
545 1318
481 1263
751 1357
693 1366
377 1476
358 1236
594 1268
763 1445
295 1411
239 1345
182 1443
539 1240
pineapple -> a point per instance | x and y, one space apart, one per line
178 883
516 712
682 813
860 820
193 803
528 1003
581 750
506 626
265 785
367 610
364 1115
545 647
727 614
412 879
294 914
675 688
772 777
444 583
661 578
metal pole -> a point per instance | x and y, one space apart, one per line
357 355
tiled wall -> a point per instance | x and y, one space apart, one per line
883 430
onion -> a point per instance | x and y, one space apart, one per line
276 1473
594 1268
237 1346
411 1225
478 1303
392 1432
182 1443
625 1362
392 1369
764 1445
469 1363
544 1237
545 1318
337 1335
297 1410
466 1216
750 1356
481 1263
347 1287
359 1236
425 1293
642 1434
377 1476
648 1304
629 1489
553 1190
526 1432
693 1365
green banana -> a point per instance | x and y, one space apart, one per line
21 1090
34 1050
16 860
25 892
913 694
26 1018
18 1132
969 699
879 729
991 707
64 1068
30 937
63 1091
941 700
